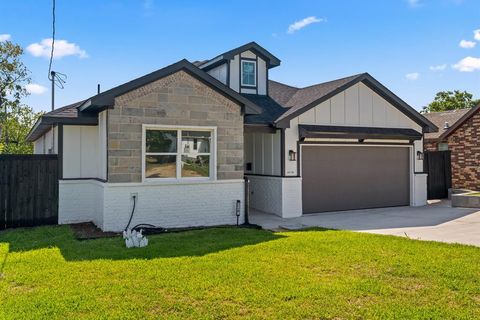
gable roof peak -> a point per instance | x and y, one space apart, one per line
305 98
272 61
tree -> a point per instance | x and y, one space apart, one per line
15 118
451 100
17 126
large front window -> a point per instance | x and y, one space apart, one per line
249 73
178 153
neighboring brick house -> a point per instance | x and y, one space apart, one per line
459 133
177 143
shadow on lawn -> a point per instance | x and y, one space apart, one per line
169 245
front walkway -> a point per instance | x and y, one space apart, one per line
437 221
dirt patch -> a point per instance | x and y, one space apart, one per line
85 231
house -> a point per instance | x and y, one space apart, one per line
182 138
459 133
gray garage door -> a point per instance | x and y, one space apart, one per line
354 177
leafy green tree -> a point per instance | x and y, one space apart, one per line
15 118
451 100
17 126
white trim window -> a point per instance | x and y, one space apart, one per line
249 73
443 146
178 153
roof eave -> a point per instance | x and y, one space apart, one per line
107 98
459 122
45 121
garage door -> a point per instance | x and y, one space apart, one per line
354 177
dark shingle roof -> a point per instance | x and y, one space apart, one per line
271 110
197 63
281 92
299 100
439 119
301 97
68 111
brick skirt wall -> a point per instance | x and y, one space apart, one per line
279 195
109 205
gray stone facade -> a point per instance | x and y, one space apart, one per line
178 99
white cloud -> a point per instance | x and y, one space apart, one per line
62 48
5 37
467 44
414 3
35 88
412 76
468 64
439 67
297 25
476 34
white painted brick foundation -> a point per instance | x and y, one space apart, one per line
279 195
187 204
80 201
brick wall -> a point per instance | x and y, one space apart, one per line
185 204
278 195
178 99
430 145
464 144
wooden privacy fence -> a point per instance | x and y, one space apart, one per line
28 190
438 166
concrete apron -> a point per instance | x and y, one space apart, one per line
437 221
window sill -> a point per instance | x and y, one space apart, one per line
172 183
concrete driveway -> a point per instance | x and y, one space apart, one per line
437 221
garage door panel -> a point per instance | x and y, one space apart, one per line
354 177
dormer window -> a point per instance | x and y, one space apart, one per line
249 73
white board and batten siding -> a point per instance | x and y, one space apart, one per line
47 143
221 73
263 151
356 106
85 150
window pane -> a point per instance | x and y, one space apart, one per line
195 142
442 146
161 141
248 73
198 166
160 166
248 67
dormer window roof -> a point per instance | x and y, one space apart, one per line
271 60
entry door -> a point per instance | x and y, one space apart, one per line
336 178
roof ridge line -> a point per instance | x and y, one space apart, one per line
343 78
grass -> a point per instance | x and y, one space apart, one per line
475 194
236 273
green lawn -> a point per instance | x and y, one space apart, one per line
236 273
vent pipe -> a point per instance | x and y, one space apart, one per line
446 125
98 88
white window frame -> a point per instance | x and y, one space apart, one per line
254 73
178 154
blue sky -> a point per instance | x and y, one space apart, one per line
414 47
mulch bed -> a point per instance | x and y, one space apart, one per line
87 230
